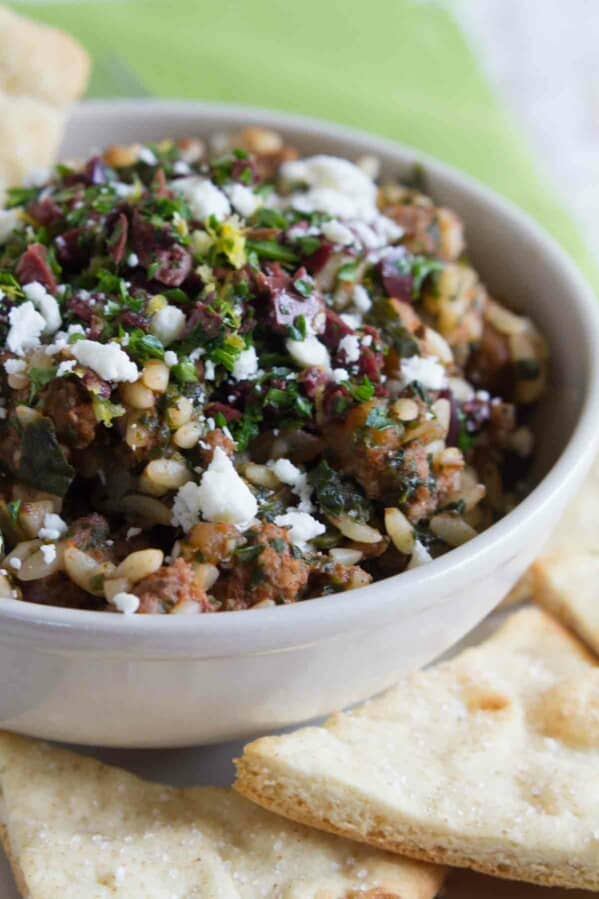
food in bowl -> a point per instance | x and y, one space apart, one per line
233 378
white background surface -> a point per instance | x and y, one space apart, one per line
544 56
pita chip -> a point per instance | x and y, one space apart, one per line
565 579
39 61
42 71
30 135
78 829
489 761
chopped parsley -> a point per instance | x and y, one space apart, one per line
420 268
270 249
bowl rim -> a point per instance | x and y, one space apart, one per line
274 629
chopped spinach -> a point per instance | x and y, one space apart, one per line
336 495
420 268
43 463
270 249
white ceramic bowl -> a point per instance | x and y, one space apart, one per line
89 677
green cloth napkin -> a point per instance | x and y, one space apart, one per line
400 68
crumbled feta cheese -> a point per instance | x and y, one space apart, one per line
61 339
180 167
168 324
209 370
302 526
461 389
420 555
26 327
366 236
340 375
337 233
388 229
350 345
294 477
243 198
122 189
48 551
377 233
65 367
308 352
37 177
53 528
16 563
367 340
427 370
45 304
361 298
9 219
197 354
246 364
15 366
170 358
204 198
298 231
107 359
323 199
335 186
146 155
132 260
286 471
370 165
127 603
351 320
223 494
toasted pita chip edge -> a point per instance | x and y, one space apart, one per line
265 778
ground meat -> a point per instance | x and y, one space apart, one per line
420 226
267 164
364 452
273 574
172 584
211 542
382 464
69 406
59 590
428 229
418 488
90 534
